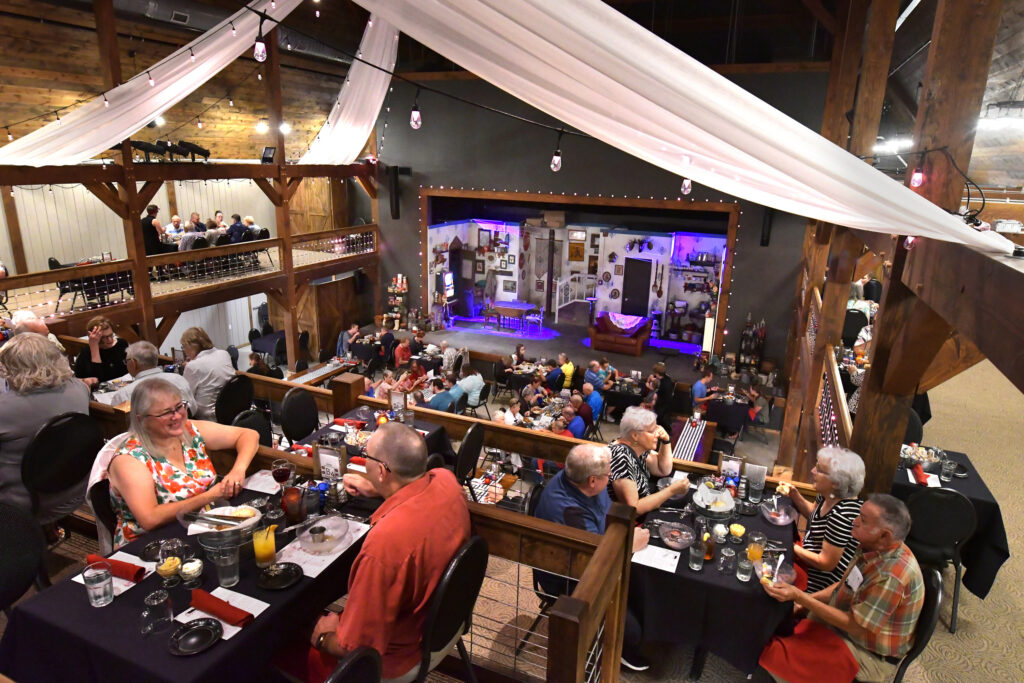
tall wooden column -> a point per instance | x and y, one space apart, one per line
908 332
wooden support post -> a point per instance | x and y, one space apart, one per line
842 79
874 74
172 200
14 231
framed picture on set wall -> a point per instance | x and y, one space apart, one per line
540 286
503 264
483 237
509 286
511 259
595 240
618 269
576 251
592 265
480 266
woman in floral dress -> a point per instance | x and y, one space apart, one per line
162 467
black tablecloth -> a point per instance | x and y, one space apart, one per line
267 342
730 418
57 636
709 609
620 400
429 363
988 549
364 351
517 381
437 436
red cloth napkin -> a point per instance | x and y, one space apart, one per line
798 658
919 476
356 460
205 602
122 570
301 447
345 422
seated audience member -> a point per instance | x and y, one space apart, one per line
573 422
250 224
519 355
758 413
413 536
567 370
197 224
558 427
512 415
577 496
207 370
143 363
828 545
418 343
699 391
368 387
471 383
533 394
648 401
593 399
409 382
27 321
346 338
162 467
863 339
448 356
217 222
237 229
103 360
593 374
187 238
608 372
442 399
555 378
403 352
504 369
382 388
582 409
643 449
418 399
40 386
258 365
861 625
175 227
416 371
387 342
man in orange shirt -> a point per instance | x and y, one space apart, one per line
413 536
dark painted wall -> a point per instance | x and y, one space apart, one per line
463 146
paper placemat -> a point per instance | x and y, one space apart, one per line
262 481
251 605
659 558
121 585
313 565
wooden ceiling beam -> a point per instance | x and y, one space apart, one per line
148 191
109 198
269 190
824 17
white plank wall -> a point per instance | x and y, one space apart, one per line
230 196
226 323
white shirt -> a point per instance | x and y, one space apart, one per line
513 419
125 393
472 386
207 374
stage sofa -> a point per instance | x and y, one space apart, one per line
607 336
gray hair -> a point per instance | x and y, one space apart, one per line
143 353
144 395
846 470
587 460
406 450
636 419
894 513
31 362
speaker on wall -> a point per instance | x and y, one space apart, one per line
393 198
359 281
766 226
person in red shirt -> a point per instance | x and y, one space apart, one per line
403 352
413 536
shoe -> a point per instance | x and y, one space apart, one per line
635 662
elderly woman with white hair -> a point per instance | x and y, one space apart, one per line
642 449
162 467
828 544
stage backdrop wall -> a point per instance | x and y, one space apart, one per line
462 146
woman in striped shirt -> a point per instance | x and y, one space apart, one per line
828 545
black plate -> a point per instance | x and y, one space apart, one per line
151 553
961 472
746 508
279 576
195 636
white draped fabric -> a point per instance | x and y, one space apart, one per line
591 67
93 127
354 114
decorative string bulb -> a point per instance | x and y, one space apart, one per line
9 136
259 49
263 126
192 55
234 31
917 177
199 123
273 4
909 241
415 117
231 102
317 13
159 120
285 128
556 158
687 186
57 114
259 77
106 102
151 81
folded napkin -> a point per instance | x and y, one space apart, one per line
345 422
204 602
122 570
919 476
302 447
356 460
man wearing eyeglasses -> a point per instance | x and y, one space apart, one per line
143 361
423 521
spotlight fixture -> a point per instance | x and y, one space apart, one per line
917 177
415 117
285 128
556 158
193 149
259 49
172 149
687 186
148 148
263 126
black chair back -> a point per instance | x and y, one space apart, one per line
361 665
915 429
304 340
301 365
276 373
299 415
234 397
485 393
54 264
222 240
280 351
325 355
233 352
248 236
254 334
457 365
451 605
23 547
533 498
60 455
200 243
266 327
255 420
264 234
99 498
873 290
927 620
469 452
460 405
854 322
942 519
434 461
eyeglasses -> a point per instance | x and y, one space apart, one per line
171 412
363 453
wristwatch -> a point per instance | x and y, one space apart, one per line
319 644
662 442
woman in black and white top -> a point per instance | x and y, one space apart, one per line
642 449
828 544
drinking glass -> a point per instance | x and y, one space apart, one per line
755 482
283 471
99 585
697 556
744 568
191 571
157 613
755 551
170 561
294 505
226 560
727 560
263 546
948 467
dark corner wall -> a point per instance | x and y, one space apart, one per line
464 146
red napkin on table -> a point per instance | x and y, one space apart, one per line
122 570
205 602
302 447
919 476
345 422
798 658
356 460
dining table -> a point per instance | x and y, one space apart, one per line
266 342
731 416
985 552
434 434
57 636
508 311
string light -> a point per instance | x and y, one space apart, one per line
192 55
9 136
231 102
415 117
159 120
259 77
234 31
917 177
106 103
199 123
259 48
57 114
151 81
262 127
687 186
909 241
556 158
285 128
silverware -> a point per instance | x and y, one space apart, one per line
778 566
208 518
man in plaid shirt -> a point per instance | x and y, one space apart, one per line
873 611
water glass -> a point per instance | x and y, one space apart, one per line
727 560
755 481
744 569
158 613
697 556
948 468
226 561
99 585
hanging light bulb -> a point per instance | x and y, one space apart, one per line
909 241
273 4
415 117
285 128
687 187
259 49
106 103
159 120
57 114
199 123
9 136
917 177
259 77
317 14
231 102
151 81
556 158
263 126
192 55
234 31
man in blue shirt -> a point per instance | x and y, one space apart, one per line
699 391
555 377
593 374
237 229
441 400
573 422
593 399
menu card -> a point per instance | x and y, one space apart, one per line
262 481
121 585
312 565
657 557
251 605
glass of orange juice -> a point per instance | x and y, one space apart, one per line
263 546
755 551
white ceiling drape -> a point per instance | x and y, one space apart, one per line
355 112
93 127
591 67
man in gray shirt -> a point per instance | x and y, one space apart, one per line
143 361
